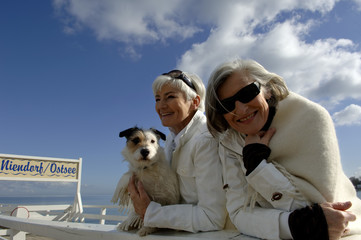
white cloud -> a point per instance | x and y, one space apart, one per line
131 53
272 32
358 4
145 21
351 115
326 70
136 21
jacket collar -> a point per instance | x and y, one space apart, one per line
232 140
192 126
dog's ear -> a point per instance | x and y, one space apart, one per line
159 134
127 133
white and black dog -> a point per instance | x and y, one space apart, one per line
148 164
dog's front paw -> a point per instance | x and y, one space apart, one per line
144 231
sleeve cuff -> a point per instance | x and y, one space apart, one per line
152 207
259 168
285 232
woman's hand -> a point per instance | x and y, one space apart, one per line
139 197
263 137
337 218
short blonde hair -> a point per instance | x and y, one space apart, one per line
271 83
189 93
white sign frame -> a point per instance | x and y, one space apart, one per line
77 205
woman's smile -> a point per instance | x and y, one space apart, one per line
164 115
249 117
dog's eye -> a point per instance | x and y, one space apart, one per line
152 141
136 141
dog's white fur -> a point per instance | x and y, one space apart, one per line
147 162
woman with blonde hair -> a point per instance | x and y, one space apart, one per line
192 153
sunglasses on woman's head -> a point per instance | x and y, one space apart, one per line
177 74
245 95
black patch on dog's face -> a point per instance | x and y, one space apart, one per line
136 140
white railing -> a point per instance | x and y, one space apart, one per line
58 213
62 212
102 216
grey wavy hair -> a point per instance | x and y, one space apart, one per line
270 82
184 88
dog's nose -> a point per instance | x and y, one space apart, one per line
144 152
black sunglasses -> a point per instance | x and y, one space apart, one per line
177 74
245 95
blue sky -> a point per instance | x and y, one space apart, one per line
75 73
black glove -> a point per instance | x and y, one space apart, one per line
253 154
308 223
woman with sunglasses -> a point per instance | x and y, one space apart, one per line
192 152
279 152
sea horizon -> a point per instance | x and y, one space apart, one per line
103 199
